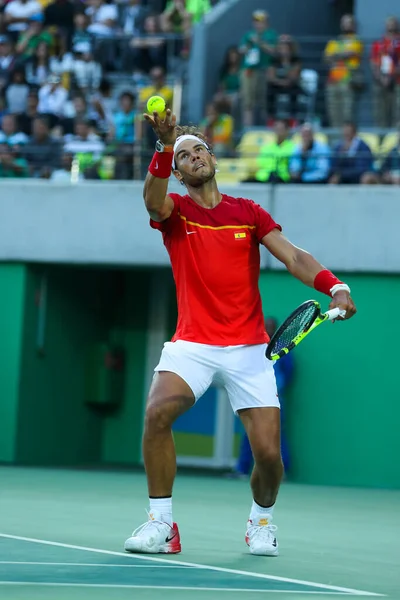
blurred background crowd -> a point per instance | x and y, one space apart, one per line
75 76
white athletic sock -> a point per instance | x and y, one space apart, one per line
258 512
163 506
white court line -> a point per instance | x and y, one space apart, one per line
107 565
165 587
332 588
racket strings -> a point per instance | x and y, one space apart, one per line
300 323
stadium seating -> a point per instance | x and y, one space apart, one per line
232 170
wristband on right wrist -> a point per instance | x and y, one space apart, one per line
325 281
161 165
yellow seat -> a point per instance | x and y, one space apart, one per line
389 142
252 141
232 170
318 136
372 141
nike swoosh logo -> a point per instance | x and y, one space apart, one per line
190 232
169 538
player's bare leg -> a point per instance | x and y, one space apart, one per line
169 397
263 429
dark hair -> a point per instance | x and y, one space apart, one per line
193 130
284 121
105 85
129 95
43 119
20 71
225 66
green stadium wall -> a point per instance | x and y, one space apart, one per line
343 407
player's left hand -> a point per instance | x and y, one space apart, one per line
343 301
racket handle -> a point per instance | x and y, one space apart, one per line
334 313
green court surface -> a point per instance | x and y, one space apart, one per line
62 534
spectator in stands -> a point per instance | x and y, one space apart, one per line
229 81
352 159
42 152
59 16
385 65
38 67
273 160
9 134
345 76
176 18
81 33
103 105
17 14
64 173
310 162
17 92
7 61
12 165
125 119
25 120
86 146
86 71
103 18
390 169
157 87
146 51
218 128
284 78
258 49
30 39
52 97
132 18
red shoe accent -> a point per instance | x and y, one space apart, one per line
173 541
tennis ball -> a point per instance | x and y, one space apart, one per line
156 104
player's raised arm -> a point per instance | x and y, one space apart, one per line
305 267
158 204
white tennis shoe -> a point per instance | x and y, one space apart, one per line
155 537
261 538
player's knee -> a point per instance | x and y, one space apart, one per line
267 455
158 418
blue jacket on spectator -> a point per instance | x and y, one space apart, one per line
353 162
312 166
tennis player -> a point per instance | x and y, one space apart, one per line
213 243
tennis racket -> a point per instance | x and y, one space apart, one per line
297 326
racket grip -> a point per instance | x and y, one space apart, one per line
334 313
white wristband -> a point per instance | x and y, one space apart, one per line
339 287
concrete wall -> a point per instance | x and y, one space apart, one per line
347 228
371 16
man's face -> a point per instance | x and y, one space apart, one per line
4 49
8 124
280 130
157 76
260 25
195 164
347 24
40 130
348 133
392 26
81 130
307 136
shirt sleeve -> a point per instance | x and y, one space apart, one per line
264 222
168 226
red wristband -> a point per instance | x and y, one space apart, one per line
324 282
161 165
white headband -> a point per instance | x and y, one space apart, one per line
183 138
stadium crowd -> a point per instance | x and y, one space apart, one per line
75 76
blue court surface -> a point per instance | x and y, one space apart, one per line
84 517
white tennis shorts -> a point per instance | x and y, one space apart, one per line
247 375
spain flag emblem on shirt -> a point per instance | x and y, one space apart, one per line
240 236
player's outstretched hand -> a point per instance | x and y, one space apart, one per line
163 128
343 301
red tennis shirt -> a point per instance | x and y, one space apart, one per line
215 260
